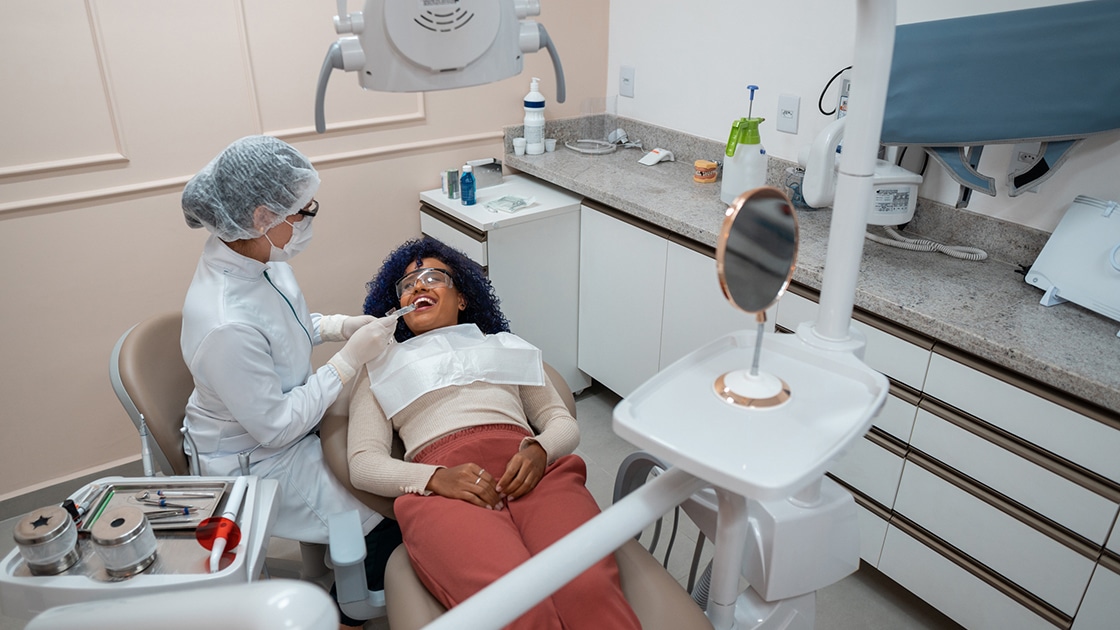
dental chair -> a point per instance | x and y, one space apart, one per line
153 384
658 600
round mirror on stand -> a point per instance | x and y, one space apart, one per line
755 258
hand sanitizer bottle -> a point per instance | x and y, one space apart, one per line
534 119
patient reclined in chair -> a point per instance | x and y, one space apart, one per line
659 602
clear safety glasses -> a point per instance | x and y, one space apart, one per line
427 277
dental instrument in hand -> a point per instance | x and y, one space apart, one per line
398 312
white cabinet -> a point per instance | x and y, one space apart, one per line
1101 606
644 302
696 311
531 257
621 293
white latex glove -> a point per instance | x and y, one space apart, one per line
350 325
364 345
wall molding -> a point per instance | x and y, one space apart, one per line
104 159
17 209
86 161
364 124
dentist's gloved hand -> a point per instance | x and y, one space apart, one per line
365 345
350 325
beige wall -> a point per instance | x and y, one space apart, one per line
111 105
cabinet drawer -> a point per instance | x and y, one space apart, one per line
1101 607
992 537
870 469
898 358
1045 491
964 597
1062 431
439 228
897 415
872 532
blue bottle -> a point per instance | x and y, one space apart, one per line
466 186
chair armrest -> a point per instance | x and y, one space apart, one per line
347 553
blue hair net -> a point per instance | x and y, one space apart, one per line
255 171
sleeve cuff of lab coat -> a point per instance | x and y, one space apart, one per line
330 327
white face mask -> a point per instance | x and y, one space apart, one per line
301 236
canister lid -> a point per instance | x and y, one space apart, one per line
118 526
42 526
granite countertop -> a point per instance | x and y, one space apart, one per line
984 308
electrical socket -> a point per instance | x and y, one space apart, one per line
626 81
1023 156
789 109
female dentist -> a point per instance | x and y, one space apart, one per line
248 335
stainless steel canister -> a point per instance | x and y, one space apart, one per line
47 540
124 540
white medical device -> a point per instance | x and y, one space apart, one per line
896 189
427 45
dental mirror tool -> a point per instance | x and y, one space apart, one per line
755 258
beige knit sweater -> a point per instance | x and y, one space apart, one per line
439 413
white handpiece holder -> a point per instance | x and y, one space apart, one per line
819 184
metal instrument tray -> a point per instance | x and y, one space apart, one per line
127 494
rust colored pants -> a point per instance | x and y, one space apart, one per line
458 548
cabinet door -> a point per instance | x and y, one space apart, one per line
621 292
696 311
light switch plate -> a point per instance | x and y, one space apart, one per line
626 81
789 109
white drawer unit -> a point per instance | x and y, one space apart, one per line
1032 480
872 532
1101 606
1040 563
964 596
896 353
531 257
871 467
897 415
1085 441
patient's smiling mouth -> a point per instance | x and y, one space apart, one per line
424 301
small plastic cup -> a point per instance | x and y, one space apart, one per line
519 146
549 145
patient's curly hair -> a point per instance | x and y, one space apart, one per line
482 304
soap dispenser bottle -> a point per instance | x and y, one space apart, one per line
744 167
534 119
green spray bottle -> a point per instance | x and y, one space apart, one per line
744 164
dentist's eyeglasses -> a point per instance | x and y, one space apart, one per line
427 277
311 209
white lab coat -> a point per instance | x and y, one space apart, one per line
248 342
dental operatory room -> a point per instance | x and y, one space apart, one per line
792 315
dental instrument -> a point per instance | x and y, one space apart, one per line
400 312
227 524
145 449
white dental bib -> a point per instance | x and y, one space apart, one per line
454 355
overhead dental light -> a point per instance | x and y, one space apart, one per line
427 45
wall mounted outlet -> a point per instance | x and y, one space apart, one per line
626 81
789 108
1024 161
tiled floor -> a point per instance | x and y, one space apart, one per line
865 600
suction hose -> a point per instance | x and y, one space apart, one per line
925 245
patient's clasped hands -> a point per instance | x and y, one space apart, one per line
469 482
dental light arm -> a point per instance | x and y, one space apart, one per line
419 47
